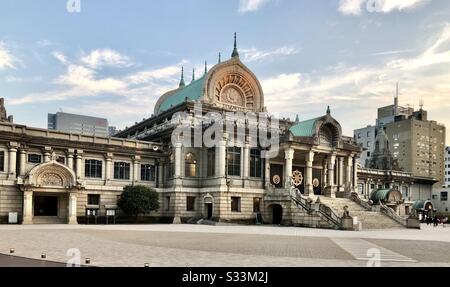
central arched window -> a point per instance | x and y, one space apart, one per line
190 165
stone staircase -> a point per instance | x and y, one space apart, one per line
369 219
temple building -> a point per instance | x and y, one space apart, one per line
309 178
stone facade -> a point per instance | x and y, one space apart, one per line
49 174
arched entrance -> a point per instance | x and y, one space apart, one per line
277 213
50 194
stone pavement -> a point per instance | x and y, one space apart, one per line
214 246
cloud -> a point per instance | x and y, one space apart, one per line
105 58
354 7
60 57
246 6
7 59
422 75
82 79
254 54
351 7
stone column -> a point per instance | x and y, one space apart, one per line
309 188
108 167
331 189
160 174
177 160
47 154
355 174
348 176
289 156
72 216
246 162
22 162
70 153
341 174
12 160
136 170
325 173
79 162
221 151
27 207
267 172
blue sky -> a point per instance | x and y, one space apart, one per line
115 58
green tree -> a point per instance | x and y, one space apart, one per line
138 199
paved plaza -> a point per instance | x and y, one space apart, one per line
223 246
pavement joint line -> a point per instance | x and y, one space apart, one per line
358 248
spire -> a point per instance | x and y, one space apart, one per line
235 51
220 57
297 119
206 67
328 110
193 74
182 84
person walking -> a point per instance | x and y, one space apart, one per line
435 221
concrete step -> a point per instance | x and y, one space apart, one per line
48 220
369 219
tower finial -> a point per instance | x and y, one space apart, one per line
328 110
297 119
235 50
206 67
182 83
220 57
193 74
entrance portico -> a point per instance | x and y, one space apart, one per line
50 192
316 159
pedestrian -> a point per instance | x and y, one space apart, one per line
435 221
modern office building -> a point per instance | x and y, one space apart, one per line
78 124
417 144
447 167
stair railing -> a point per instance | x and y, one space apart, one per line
354 196
324 212
389 212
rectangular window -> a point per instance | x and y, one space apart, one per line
93 168
255 163
190 203
234 161
2 161
236 204
61 160
148 172
93 199
257 204
122 170
211 164
444 196
34 158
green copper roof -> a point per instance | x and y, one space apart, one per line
379 195
193 91
304 129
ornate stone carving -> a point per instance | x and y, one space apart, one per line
297 178
232 96
233 89
276 179
316 182
51 179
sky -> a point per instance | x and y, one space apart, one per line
114 58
